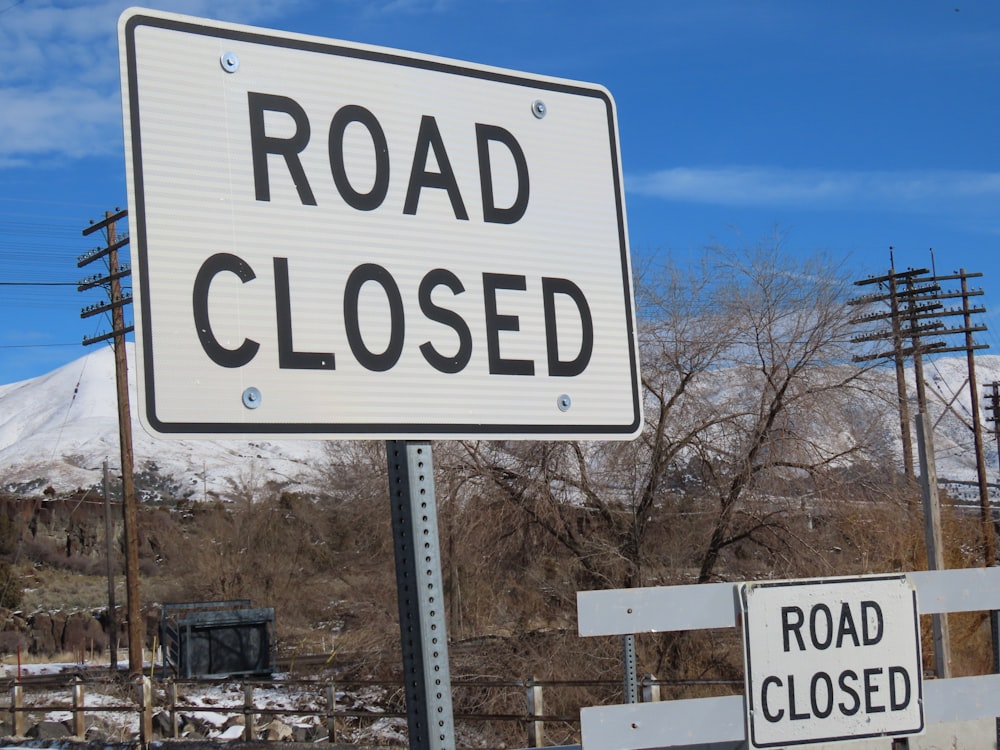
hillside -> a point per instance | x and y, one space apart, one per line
57 429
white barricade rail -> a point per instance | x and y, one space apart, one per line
678 723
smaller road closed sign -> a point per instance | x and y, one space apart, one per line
831 659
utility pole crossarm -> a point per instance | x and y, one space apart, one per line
99 252
963 275
100 307
99 279
910 296
109 219
910 332
951 349
893 276
935 347
88 340
963 329
912 310
962 311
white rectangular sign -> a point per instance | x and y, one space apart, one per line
831 659
332 239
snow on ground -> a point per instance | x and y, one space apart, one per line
58 428
217 707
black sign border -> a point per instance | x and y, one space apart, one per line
379 430
748 695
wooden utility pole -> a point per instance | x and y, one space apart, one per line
967 329
932 537
900 364
940 632
115 304
992 409
914 314
985 512
905 316
109 559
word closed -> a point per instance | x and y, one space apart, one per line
831 660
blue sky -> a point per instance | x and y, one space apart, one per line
846 127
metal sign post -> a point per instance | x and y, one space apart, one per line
335 240
422 626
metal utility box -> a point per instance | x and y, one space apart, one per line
217 639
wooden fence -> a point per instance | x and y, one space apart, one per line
325 709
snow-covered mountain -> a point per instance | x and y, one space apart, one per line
57 429
947 381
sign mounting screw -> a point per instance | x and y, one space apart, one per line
230 62
564 402
251 397
538 109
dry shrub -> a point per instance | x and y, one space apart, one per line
323 562
509 664
11 642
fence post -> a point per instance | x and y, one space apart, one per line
144 694
175 724
79 725
995 638
248 729
331 710
536 709
16 708
650 689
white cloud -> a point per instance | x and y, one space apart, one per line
66 120
405 7
908 190
59 84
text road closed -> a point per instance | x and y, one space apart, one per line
831 659
340 240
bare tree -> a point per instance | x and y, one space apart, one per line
792 376
597 499
746 361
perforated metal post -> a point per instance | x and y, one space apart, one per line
631 678
419 588
995 638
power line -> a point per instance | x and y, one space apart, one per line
36 346
12 6
38 283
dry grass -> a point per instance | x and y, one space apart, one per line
48 589
326 567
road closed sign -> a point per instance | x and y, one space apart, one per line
831 659
331 239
